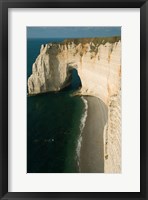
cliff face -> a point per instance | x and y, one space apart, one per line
99 68
112 136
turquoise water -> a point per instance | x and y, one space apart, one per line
53 124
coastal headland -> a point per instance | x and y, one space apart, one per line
98 63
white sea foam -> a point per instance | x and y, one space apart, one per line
84 116
82 125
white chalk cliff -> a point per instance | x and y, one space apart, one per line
99 68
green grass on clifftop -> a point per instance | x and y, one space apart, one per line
99 40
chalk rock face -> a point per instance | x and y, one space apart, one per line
112 136
47 73
98 67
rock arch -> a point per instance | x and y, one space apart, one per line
99 77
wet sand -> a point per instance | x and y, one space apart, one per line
92 146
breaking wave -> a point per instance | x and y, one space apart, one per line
82 125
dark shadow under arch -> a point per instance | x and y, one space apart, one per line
73 81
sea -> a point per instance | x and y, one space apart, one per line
55 121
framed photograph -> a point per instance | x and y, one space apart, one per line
73 99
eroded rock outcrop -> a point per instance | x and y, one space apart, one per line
98 63
98 67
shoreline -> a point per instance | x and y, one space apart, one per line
92 144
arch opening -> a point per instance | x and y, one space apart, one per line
73 80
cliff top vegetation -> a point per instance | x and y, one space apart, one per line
97 40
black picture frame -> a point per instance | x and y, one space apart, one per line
4 6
